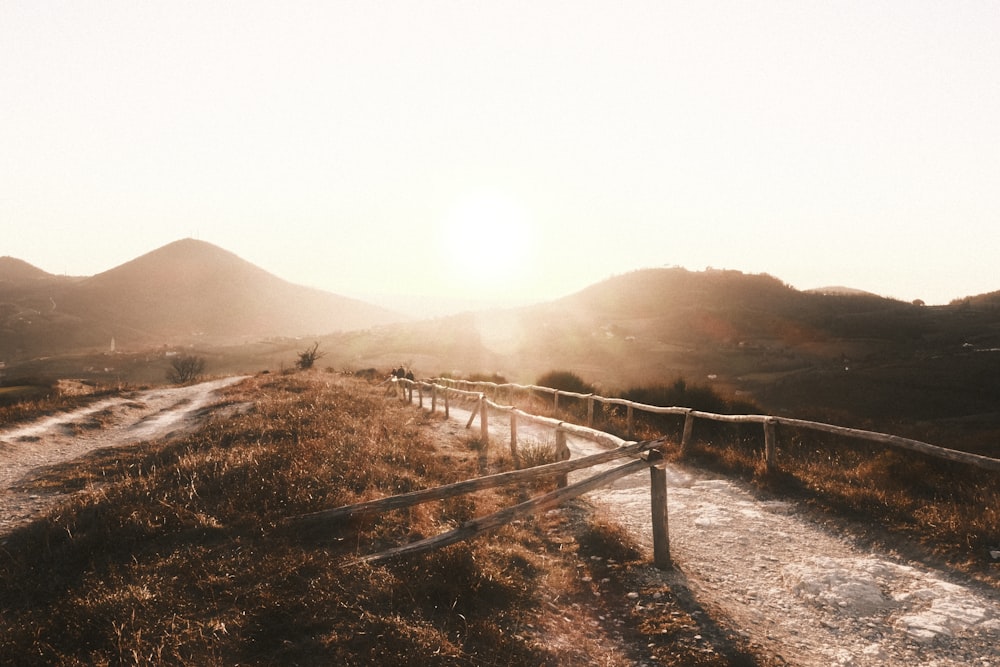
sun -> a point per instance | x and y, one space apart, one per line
488 242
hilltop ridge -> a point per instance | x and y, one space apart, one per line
185 291
17 272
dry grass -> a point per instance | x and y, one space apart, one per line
175 553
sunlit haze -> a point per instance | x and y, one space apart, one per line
509 152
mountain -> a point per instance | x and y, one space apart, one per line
187 291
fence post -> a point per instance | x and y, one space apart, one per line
658 503
514 454
590 411
484 423
434 397
447 392
555 401
475 412
688 428
630 418
562 453
420 395
770 453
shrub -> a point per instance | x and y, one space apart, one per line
185 368
533 453
565 381
309 357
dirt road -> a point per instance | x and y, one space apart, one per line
788 584
27 450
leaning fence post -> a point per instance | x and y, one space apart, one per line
658 504
770 453
475 412
688 429
562 453
630 418
484 423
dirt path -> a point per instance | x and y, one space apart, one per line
790 586
28 449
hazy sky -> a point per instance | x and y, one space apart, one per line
508 149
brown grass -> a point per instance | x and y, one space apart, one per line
176 553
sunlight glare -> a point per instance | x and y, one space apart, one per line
487 242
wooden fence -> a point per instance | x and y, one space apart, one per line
646 454
769 423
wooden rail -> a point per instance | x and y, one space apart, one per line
317 523
480 525
768 422
333 516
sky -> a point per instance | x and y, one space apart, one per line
508 152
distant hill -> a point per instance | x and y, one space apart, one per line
856 359
16 273
187 291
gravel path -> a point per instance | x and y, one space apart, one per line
790 586
28 449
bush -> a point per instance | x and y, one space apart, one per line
309 357
185 368
565 381
681 394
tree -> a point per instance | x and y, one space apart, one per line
309 357
185 368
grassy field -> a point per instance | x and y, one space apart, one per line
179 553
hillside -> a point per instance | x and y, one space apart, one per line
18 274
839 356
187 291
852 359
